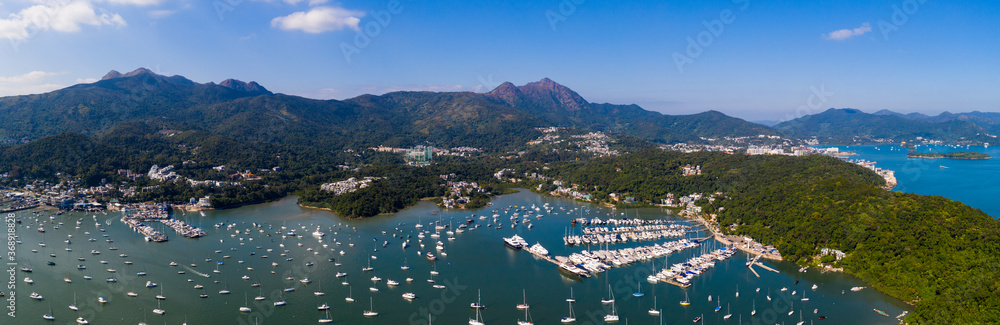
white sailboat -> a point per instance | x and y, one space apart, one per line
49 315
261 296
327 318
527 317
479 303
73 306
158 310
653 311
319 291
572 316
371 311
477 306
611 299
613 316
524 305
246 304
349 293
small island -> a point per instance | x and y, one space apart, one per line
949 155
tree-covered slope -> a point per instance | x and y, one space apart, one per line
938 254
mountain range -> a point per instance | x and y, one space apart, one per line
502 119
986 120
147 115
851 126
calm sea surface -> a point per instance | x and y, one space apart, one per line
973 182
476 261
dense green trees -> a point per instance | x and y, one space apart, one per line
936 253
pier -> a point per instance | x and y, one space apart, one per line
586 263
150 233
136 214
183 228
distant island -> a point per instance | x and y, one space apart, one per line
949 155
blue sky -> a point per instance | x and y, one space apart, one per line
752 59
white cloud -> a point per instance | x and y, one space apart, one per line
86 80
137 2
319 19
59 17
843 34
316 2
160 14
33 76
28 83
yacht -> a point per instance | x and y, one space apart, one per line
515 242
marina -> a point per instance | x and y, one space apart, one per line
280 235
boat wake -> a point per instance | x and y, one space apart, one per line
196 272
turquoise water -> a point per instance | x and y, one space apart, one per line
973 182
476 260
